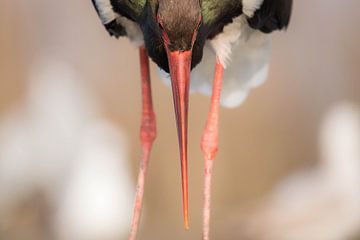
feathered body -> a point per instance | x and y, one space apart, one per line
233 30
187 39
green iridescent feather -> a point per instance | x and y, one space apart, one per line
136 5
212 9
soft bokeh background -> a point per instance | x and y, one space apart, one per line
69 122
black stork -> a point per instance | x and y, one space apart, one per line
183 37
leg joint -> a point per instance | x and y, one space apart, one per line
148 127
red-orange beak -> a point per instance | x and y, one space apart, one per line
180 66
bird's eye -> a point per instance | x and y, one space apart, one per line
165 36
161 26
199 22
160 22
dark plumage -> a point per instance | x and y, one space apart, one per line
115 29
180 21
179 25
272 15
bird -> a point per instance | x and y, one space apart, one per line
191 40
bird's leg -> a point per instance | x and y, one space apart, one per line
209 144
147 137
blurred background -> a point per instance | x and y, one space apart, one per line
289 161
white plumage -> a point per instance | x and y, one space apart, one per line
133 31
250 6
105 10
244 52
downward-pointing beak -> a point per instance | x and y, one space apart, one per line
180 65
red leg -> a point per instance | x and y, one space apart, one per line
147 137
209 145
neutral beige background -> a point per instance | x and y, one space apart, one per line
314 65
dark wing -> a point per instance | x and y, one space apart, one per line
272 15
130 9
217 13
110 11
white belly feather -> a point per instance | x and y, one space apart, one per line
244 52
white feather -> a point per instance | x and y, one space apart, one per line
222 43
250 6
247 69
106 11
132 29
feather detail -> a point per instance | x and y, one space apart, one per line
105 11
117 24
223 42
132 29
250 6
248 69
272 15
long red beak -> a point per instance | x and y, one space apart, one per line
180 65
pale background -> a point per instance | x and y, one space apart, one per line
315 65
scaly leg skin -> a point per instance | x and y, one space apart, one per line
209 144
147 137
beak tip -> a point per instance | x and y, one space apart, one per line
185 199
186 224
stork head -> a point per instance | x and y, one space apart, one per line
179 22
173 42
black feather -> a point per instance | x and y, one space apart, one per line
115 29
272 15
